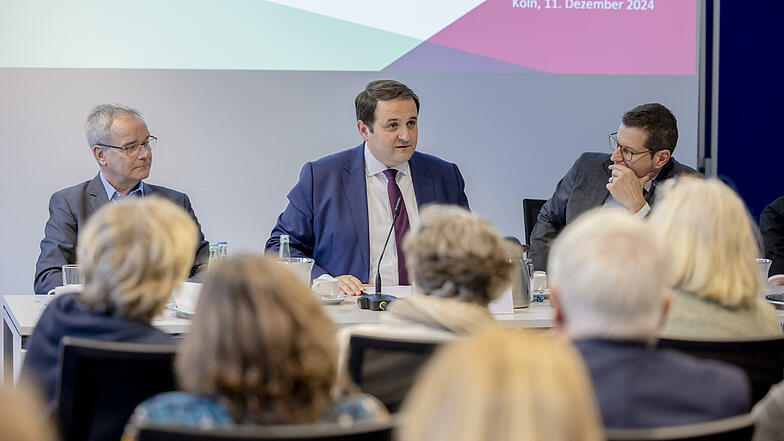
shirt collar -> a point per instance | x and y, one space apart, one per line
373 166
111 191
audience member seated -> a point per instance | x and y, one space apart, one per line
131 254
768 414
22 416
608 273
712 243
772 228
459 264
503 385
261 350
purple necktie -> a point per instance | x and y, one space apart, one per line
401 224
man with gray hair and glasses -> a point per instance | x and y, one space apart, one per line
608 275
641 158
122 146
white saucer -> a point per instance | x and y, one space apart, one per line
334 301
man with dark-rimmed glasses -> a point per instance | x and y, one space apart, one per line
641 158
122 146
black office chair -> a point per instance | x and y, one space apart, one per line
738 428
101 383
385 367
360 431
762 357
531 208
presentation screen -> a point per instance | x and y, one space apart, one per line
242 93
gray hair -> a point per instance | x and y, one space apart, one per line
100 119
611 272
455 253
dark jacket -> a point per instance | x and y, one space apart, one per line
581 189
67 316
637 386
70 208
772 228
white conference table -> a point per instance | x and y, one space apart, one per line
21 312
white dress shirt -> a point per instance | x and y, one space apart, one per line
380 215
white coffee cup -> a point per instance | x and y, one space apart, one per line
326 288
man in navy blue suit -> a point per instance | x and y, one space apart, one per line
340 211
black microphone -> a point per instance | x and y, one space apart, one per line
394 218
378 301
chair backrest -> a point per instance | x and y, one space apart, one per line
737 428
762 358
360 431
101 383
386 368
531 209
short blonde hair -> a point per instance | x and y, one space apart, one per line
455 253
133 253
260 343
503 385
712 241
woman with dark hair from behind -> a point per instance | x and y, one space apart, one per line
261 351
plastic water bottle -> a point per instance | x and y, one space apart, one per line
284 252
213 252
223 250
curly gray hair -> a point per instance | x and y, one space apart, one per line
455 253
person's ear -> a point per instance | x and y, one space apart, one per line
555 302
364 130
665 306
100 155
661 158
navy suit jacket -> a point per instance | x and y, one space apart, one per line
327 215
70 208
637 386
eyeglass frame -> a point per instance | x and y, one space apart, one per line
618 145
134 148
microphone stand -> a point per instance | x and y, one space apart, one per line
378 301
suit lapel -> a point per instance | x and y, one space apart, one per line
423 182
355 191
596 192
97 194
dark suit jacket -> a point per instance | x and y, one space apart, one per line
772 228
641 387
327 215
70 208
581 189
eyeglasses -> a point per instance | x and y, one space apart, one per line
628 154
148 144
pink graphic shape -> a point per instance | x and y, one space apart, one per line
662 41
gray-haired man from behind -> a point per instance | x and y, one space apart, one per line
607 273
122 146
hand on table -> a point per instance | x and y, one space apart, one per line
626 188
350 285
777 281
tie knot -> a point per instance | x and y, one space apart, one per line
390 173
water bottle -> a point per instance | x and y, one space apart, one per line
213 252
284 252
223 250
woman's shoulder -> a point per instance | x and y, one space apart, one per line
178 409
356 407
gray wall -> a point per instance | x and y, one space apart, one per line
236 140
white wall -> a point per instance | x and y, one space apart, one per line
236 140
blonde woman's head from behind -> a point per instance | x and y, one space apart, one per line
133 253
712 240
503 385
